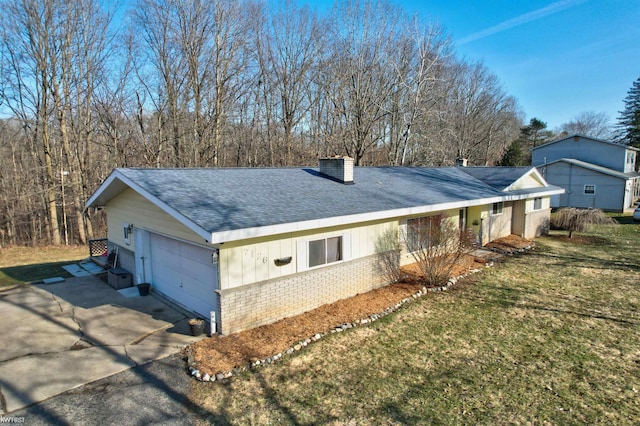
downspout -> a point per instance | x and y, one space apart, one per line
569 186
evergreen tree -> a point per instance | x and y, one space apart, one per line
629 120
535 133
531 135
514 156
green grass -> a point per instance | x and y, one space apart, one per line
549 337
21 264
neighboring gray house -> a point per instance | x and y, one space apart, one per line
252 246
594 173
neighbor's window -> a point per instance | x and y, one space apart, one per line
325 251
589 189
537 203
496 208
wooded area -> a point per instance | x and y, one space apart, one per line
85 87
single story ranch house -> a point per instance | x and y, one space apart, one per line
249 246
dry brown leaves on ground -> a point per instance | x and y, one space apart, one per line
219 354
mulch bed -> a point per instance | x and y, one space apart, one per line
220 354
510 244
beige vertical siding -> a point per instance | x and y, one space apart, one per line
253 260
130 207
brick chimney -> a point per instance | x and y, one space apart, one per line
339 169
461 162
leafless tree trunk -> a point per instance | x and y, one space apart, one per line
28 28
287 46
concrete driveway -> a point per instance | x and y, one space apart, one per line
56 337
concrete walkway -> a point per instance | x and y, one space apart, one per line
57 337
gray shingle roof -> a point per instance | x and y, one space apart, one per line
227 199
497 177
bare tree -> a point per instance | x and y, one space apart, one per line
219 83
419 71
28 28
361 75
159 46
589 123
288 49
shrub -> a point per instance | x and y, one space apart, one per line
580 220
388 250
437 245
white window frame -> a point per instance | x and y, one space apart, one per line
497 208
317 258
538 201
630 157
590 192
304 251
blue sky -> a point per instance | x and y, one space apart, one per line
558 58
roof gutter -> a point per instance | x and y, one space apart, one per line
263 231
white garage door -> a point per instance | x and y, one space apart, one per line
185 273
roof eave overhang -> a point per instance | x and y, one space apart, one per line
632 148
536 175
588 166
117 182
263 231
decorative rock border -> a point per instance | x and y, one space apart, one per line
206 377
512 252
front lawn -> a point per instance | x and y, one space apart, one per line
552 336
20 264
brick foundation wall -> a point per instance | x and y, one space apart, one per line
126 258
268 301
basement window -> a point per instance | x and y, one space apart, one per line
589 189
497 208
324 251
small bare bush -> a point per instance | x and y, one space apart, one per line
580 220
437 245
388 250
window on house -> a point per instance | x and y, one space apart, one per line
496 208
537 203
325 251
423 232
590 189
630 157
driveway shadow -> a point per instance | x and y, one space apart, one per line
67 334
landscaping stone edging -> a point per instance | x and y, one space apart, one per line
206 377
511 252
